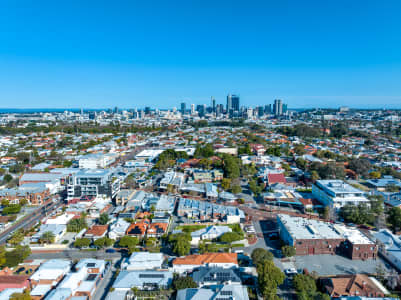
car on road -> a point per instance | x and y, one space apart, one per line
111 250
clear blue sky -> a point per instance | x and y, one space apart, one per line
96 54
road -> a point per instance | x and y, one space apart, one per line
73 254
29 220
106 283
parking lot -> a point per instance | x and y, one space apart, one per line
326 265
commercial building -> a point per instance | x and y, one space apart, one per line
93 183
96 160
310 237
35 193
337 193
278 107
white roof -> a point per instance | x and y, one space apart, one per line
352 234
307 229
51 269
144 260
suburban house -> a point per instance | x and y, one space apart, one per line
143 280
234 291
205 276
143 261
354 285
208 233
191 262
96 232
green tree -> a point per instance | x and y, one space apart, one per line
394 218
183 282
375 175
2 255
360 166
204 151
304 284
16 238
103 242
104 219
231 166
25 295
288 251
230 237
236 189
11 209
47 237
260 254
7 178
82 243
225 184
269 277
181 243
17 255
128 241
76 225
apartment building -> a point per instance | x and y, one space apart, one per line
337 193
93 183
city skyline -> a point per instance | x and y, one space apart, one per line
137 54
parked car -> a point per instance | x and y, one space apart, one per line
111 250
290 271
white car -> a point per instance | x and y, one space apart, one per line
290 271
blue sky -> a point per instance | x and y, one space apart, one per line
96 54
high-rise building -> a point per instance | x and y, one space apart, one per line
116 110
278 107
249 113
285 108
192 109
260 111
213 105
219 109
183 108
232 104
235 102
229 102
147 110
200 108
268 109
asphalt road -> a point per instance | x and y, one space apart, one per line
29 220
104 286
73 254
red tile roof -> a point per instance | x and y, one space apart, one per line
276 178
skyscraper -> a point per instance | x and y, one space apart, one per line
213 105
235 102
192 109
229 103
285 108
183 108
278 107
260 111
200 108
268 109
